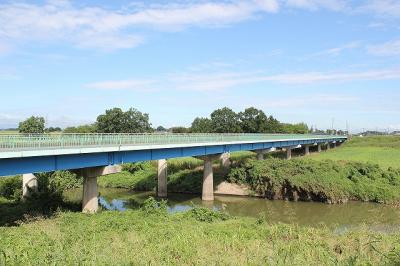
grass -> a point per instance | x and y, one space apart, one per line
382 150
325 181
197 237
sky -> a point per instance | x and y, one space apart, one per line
313 61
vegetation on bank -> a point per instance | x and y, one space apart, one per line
381 150
150 236
324 181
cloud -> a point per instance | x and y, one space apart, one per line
335 5
100 28
138 85
382 7
206 81
391 48
335 51
318 77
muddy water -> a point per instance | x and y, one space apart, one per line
377 217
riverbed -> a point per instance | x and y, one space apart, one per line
341 217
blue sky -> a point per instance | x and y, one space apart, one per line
299 60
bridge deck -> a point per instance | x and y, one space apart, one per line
40 153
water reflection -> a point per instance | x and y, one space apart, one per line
378 217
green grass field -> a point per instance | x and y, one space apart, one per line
384 151
197 237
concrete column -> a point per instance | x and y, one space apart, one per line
162 178
319 148
328 147
334 144
208 180
288 153
226 161
29 185
260 155
90 203
307 150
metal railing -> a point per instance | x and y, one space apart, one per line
41 141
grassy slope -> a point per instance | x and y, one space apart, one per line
136 237
384 151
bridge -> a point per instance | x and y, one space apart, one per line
94 155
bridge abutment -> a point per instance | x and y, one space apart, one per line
162 178
29 185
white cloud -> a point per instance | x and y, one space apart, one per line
318 77
95 27
138 85
335 51
383 7
206 81
336 5
391 48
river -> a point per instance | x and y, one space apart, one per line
376 217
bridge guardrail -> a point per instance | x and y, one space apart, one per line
39 141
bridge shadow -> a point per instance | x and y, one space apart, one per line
14 213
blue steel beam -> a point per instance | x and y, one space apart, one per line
35 164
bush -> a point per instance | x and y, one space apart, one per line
57 182
325 181
152 206
134 167
11 187
206 215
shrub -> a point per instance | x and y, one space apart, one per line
11 187
152 206
206 215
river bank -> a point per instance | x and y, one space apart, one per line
151 236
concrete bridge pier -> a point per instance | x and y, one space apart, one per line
328 146
162 178
208 176
226 161
289 153
260 155
334 144
306 150
319 148
90 201
29 185
262 152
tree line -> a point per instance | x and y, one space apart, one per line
223 120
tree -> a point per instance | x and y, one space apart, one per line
253 120
225 120
201 125
179 130
32 125
161 129
81 129
300 128
117 121
53 129
273 125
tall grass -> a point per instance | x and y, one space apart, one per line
199 237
